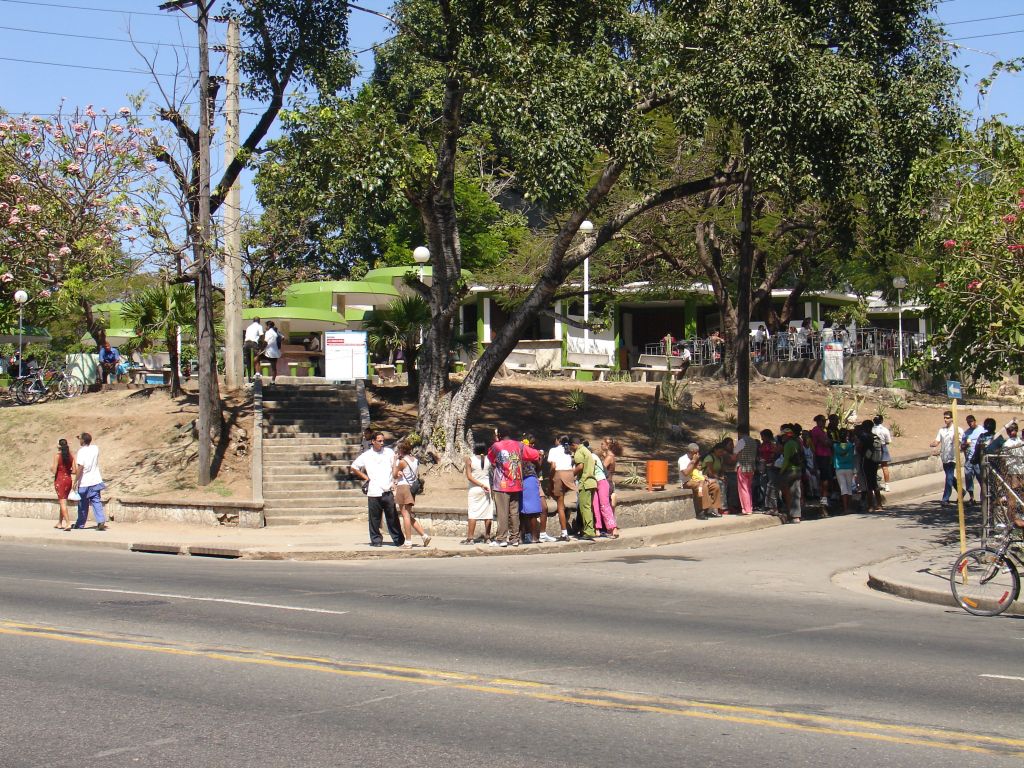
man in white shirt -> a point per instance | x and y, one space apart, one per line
89 483
251 345
272 341
946 440
375 468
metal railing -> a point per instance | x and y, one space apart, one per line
787 347
1002 489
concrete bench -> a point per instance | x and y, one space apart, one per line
596 374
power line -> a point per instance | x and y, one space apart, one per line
987 18
86 66
96 37
990 34
87 8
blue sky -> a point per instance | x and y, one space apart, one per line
91 37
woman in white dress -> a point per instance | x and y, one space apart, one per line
478 498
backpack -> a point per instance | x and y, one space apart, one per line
877 453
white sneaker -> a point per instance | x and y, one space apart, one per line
824 501
547 537
502 544
426 540
408 545
496 543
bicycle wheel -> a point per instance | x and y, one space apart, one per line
66 387
984 583
25 392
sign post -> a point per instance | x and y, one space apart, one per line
954 392
345 355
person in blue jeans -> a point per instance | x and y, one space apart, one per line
969 441
948 442
89 484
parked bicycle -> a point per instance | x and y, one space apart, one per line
44 382
986 580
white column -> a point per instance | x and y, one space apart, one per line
487 321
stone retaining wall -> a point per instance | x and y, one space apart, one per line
634 509
244 514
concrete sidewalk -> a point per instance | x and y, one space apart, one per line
341 541
349 540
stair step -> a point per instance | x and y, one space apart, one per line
326 488
319 500
299 470
295 441
316 509
312 520
311 457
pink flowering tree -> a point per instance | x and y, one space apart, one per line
976 258
72 203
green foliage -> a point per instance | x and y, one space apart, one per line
836 402
973 257
157 313
576 400
397 326
897 402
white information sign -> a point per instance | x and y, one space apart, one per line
345 357
832 362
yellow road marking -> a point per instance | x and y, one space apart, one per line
633 702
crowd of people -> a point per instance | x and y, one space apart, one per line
511 479
780 472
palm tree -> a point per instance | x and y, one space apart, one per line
399 326
158 312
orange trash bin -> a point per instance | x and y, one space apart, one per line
657 474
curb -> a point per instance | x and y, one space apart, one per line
910 592
721 527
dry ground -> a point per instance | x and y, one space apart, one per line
145 439
147 448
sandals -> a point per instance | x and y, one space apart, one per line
467 542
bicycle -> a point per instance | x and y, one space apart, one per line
986 580
43 382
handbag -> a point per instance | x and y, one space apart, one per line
73 496
416 486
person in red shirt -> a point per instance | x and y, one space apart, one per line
507 457
822 458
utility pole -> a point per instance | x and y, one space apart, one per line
233 298
209 399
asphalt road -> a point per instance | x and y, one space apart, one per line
756 649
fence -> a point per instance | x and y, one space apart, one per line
784 347
1002 489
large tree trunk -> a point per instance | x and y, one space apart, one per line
209 393
741 346
451 414
93 324
171 340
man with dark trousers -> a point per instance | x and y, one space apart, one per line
375 468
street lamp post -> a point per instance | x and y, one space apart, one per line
899 283
586 228
421 255
20 297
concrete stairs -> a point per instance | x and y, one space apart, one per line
311 435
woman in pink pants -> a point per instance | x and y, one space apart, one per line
745 454
604 512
